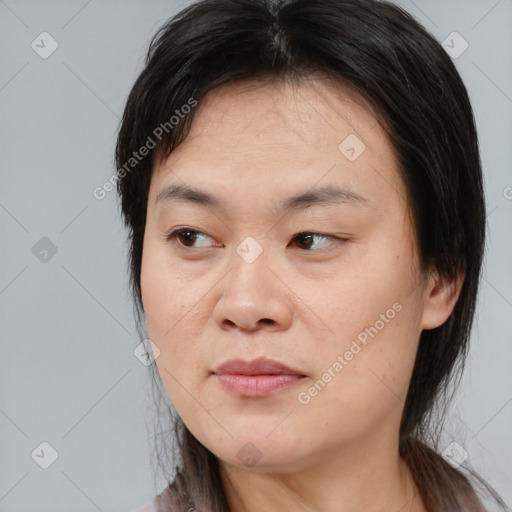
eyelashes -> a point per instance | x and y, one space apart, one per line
179 233
183 236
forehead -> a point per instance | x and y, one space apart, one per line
249 135
312 113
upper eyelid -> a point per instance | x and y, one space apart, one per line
304 232
179 230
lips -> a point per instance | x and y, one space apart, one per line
257 378
260 366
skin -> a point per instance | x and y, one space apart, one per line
301 301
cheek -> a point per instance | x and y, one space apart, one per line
357 391
162 294
174 316
365 361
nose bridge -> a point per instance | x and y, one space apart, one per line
250 249
251 293
250 261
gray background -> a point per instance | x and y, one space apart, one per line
68 374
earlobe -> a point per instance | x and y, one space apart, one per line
441 295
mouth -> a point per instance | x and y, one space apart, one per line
259 377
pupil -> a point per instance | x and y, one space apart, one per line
307 238
188 235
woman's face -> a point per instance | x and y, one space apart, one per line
343 306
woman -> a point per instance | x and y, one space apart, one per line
293 175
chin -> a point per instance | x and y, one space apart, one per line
256 452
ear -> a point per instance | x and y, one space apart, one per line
441 295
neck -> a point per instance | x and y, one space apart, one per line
374 481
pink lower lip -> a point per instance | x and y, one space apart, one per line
256 385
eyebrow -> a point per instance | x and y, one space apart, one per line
326 195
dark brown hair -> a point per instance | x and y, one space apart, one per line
400 69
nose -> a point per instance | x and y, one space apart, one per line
253 297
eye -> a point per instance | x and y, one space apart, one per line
307 238
188 236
